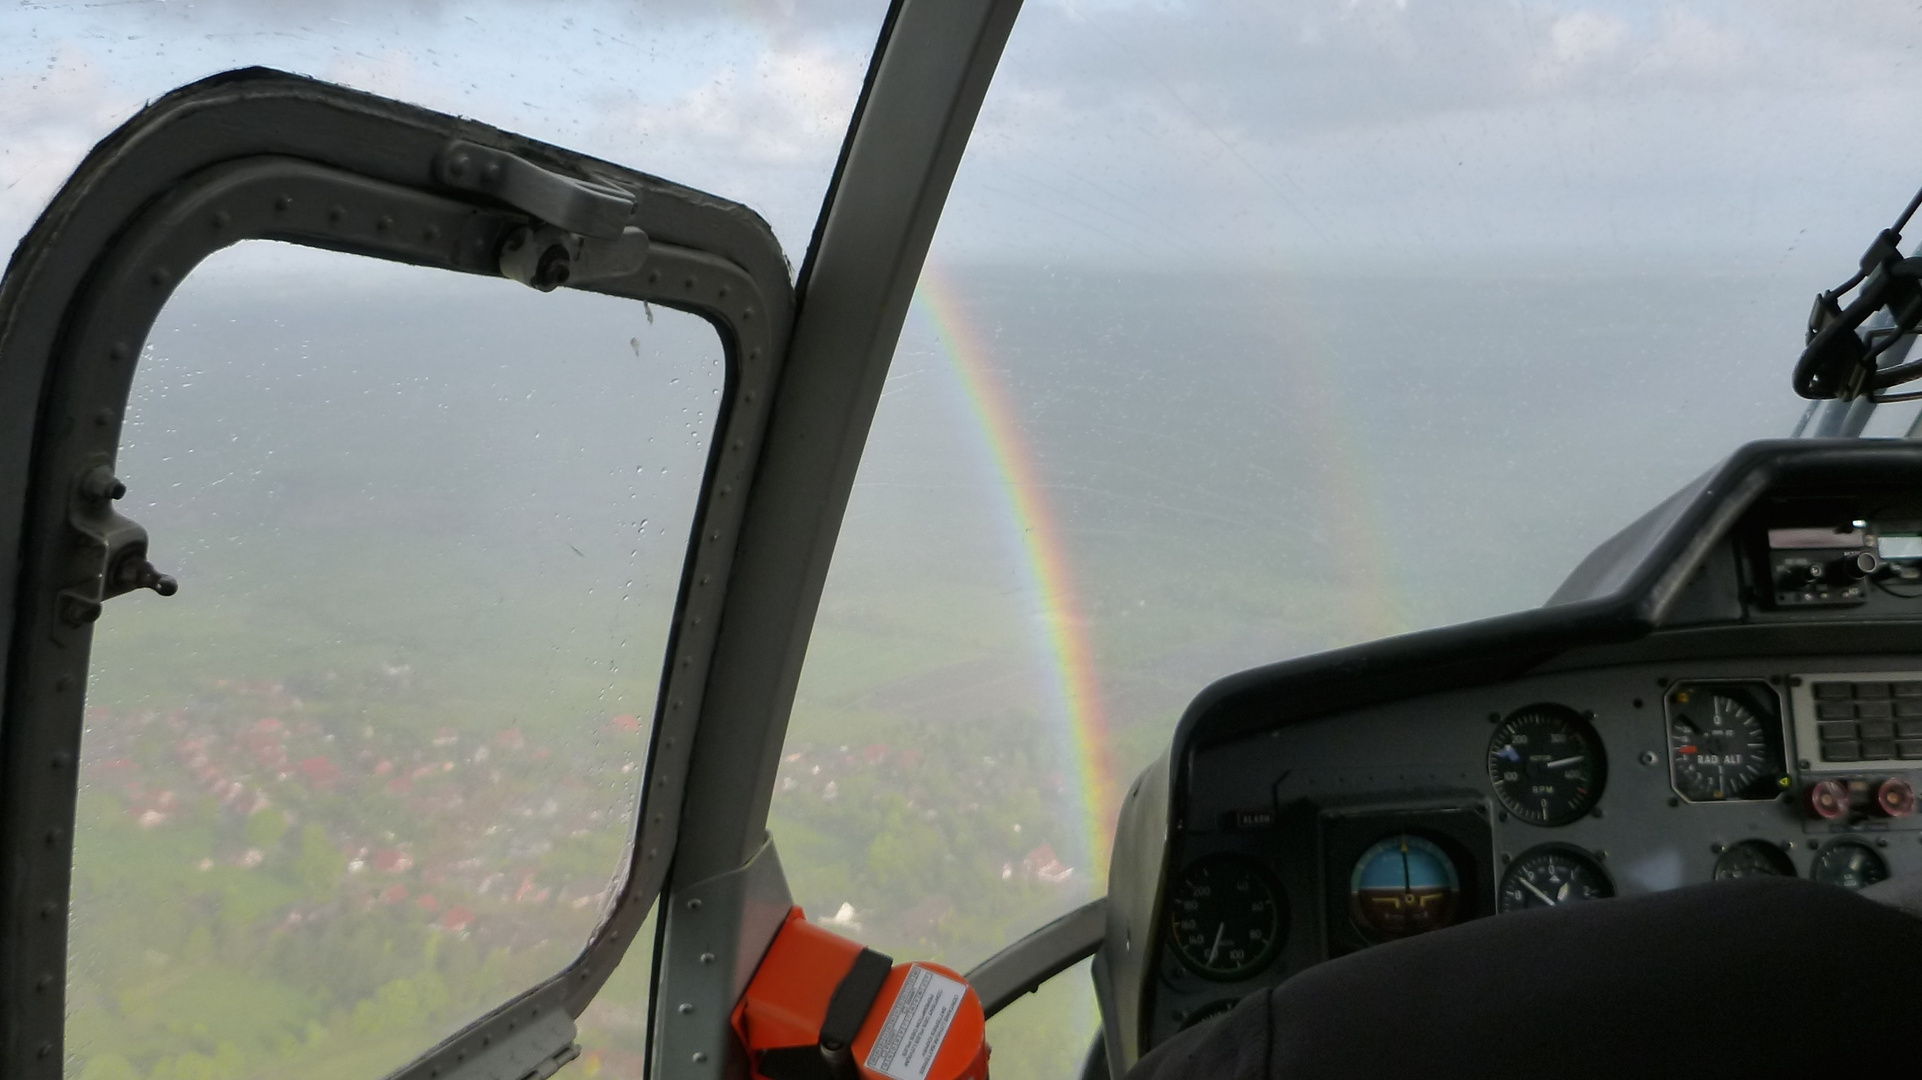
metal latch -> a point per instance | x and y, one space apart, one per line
118 542
581 233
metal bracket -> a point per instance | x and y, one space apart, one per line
113 549
716 934
575 205
547 257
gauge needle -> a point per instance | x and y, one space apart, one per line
1221 931
1530 886
1565 762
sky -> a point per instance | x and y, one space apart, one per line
748 99
1328 130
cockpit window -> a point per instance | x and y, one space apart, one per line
749 100
1253 330
373 770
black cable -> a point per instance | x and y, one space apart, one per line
1908 213
1898 595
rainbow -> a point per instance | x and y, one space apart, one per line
1048 578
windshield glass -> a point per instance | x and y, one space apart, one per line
746 100
1252 330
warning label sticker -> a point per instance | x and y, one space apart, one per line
917 1025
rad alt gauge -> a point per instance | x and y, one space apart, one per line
1725 741
1546 764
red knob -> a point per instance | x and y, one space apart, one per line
1894 798
1829 800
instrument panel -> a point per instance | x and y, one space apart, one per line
1730 686
1314 839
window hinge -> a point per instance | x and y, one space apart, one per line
581 232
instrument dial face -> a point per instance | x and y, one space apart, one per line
1403 884
1546 764
1724 743
1553 875
1226 917
1849 864
1753 858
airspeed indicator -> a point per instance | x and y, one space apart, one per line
1546 765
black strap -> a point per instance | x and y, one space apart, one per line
848 1007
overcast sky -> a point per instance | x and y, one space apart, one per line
1368 129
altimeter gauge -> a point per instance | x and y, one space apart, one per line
1724 741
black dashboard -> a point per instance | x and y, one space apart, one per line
1730 687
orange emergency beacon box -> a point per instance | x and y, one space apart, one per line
821 1007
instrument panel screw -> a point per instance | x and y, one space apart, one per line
1716 849
1648 757
700 1057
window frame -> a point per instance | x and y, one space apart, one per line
258 154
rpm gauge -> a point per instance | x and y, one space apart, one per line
1553 875
1226 917
1724 742
1546 764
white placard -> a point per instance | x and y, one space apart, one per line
917 1025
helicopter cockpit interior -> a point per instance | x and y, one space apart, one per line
927 539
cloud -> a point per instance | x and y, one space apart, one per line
1232 126
749 99
50 116
1360 129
